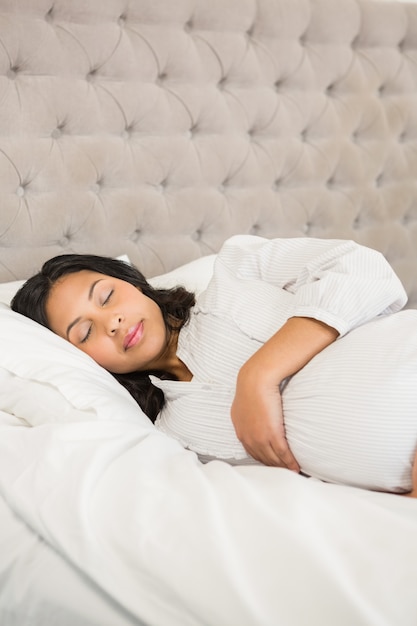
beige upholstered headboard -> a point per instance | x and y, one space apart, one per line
158 128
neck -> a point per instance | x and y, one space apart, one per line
174 365
182 372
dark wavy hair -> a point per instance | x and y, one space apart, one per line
175 305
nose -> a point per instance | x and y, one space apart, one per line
114 323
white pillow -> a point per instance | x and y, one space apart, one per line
194 275
7 290
44 378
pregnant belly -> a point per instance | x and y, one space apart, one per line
351 413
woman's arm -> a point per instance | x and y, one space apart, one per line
324 288
339 282
257 409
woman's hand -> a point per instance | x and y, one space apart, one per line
257 407
257 417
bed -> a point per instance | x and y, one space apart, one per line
155 131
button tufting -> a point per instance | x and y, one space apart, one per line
56 133
196 236
136 235
250 31
96 188
12 72
407 219
50 14
20 191
122 20
92 75
128 131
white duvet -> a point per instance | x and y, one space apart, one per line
178 543
175 542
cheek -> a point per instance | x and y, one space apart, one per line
100 352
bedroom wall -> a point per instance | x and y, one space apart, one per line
158 129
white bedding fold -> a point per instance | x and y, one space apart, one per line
181 543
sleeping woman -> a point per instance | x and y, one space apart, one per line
296 355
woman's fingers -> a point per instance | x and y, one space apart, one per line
274 451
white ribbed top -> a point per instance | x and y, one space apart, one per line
351 413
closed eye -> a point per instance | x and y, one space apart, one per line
107 298
88 333
86 336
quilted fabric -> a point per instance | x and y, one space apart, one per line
158 128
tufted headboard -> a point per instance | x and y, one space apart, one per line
158 128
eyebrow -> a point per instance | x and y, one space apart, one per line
90 295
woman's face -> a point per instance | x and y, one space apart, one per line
109 319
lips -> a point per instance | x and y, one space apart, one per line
133 336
